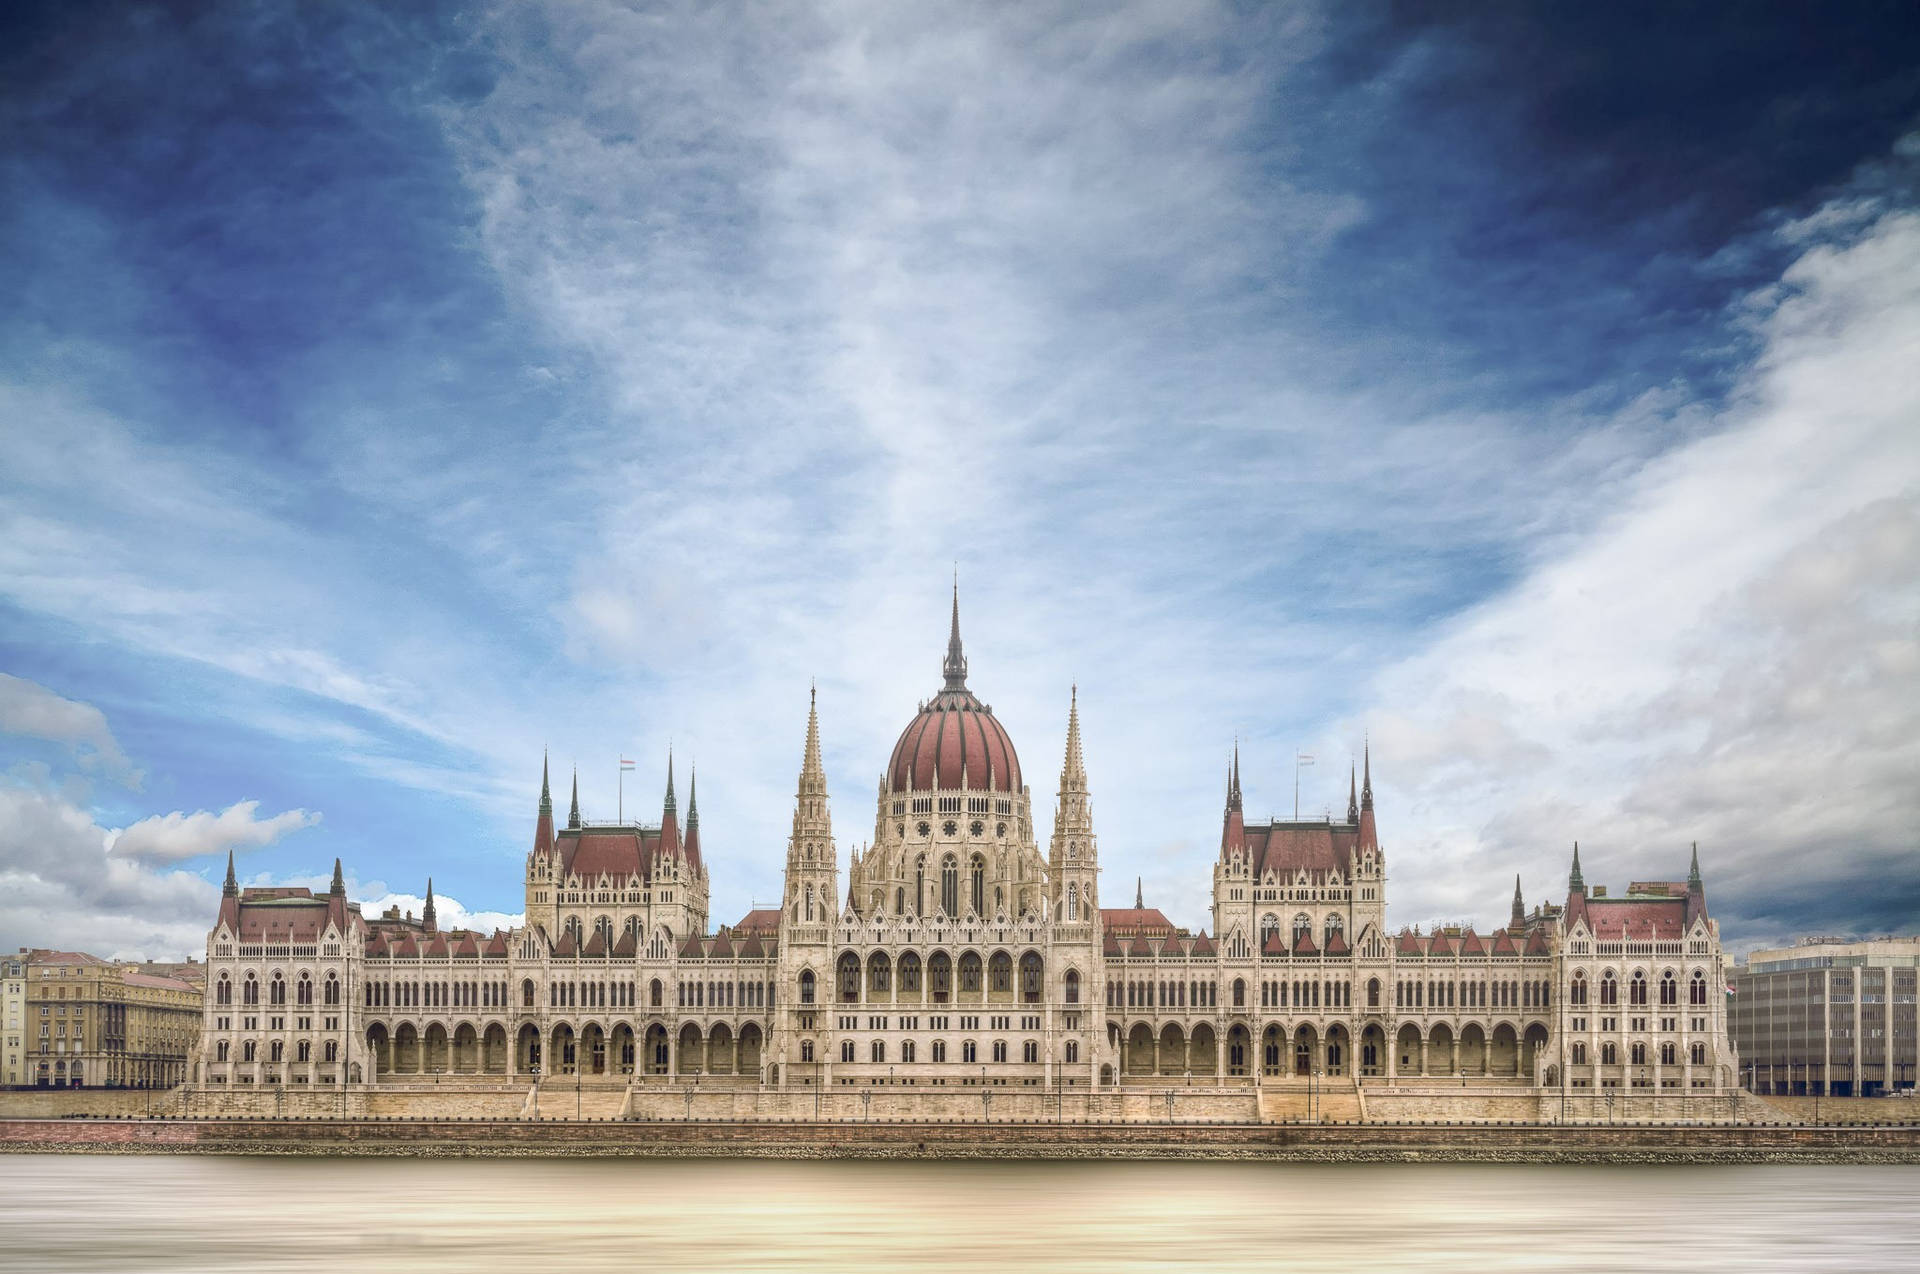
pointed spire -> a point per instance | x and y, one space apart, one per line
693 819
573 815
1519 918
955 667
1575 885
339 886
1233 779
426 909
669 815
1353 799
1693 872
231 889
1366 780
1139 894
1233 824
543 826
1073 771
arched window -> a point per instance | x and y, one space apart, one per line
1239 993
1269 926
969 1052
1302 923
603 930
809 902
1697 988
879 1050
277 993
1669 988
849 977
303 994
1334 925
879 973
1373 993
970 972
977 885
1578 994
1073 986
655 990
1031 974
1000 972
919 883
940 976
332 1053
576 932
950 886
333 990
223 991
1637 989
526 994
250 993
910 972
1073 901
806 986
1609 989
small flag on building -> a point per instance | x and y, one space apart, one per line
625 764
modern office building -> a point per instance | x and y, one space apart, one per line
1832 1017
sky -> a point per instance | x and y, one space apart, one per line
391 396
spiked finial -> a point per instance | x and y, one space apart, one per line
1576 885
1233 779
231 888
671 806
546 795
1366 776
1693 872
693 800
955 667
1519 919
339 886
573 815
426 909
1073 771
1139 894
813 774
1353 799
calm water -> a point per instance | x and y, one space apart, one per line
217 1214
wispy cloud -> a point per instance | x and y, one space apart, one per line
179 835
35 712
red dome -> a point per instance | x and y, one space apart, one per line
954 734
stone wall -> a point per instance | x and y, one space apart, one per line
1845 1110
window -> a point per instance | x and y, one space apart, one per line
939 1050
846 1050
1699 1054
1030 1051
222 991
806 988
1609 1053
1639 1053
1669 988
849 977
1579 1054
1073 901
910 972
1668 1054
250 993
806 1050
1637 989
999 1050
970 972
940 975
304 993
1030 977
949 883
1579 991
1073 986
976 884
1609 989
906 1050
1697 988
968 1052
1302 924
1239 993
879 1051
1000 972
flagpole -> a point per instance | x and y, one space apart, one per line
620 785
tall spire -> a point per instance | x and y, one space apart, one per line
339 886
1139 894
426 909
669 815
1073 772
573 815
955 667
543 826
813 774
1233 779
1693 873
1519 918
1575 885
693 818
1353 800
1366 779
231 889
1233 824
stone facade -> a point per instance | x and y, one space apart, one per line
81 1022
961 962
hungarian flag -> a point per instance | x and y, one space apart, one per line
625 764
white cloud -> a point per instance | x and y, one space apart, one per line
33 711
171 837
1732 657
449 912
59 887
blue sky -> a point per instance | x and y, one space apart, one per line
388 397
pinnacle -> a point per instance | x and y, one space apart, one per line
955 667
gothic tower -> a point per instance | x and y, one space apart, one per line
1073 862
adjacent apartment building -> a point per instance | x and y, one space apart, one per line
85 1022
1831 1017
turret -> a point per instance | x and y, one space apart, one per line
1233 826
231 888
670 817
812 863
338 888
1074 860
693 821
573 815
1575 884
426 909
1518 920
1369 835
1353 800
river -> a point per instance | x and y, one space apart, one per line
167 1213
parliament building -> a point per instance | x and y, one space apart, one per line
958 954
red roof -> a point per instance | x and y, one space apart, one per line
1286 848
1408 943
619 852
1614 919
1337 944
1303 943
952 734
1136 920
1503 944
761 920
